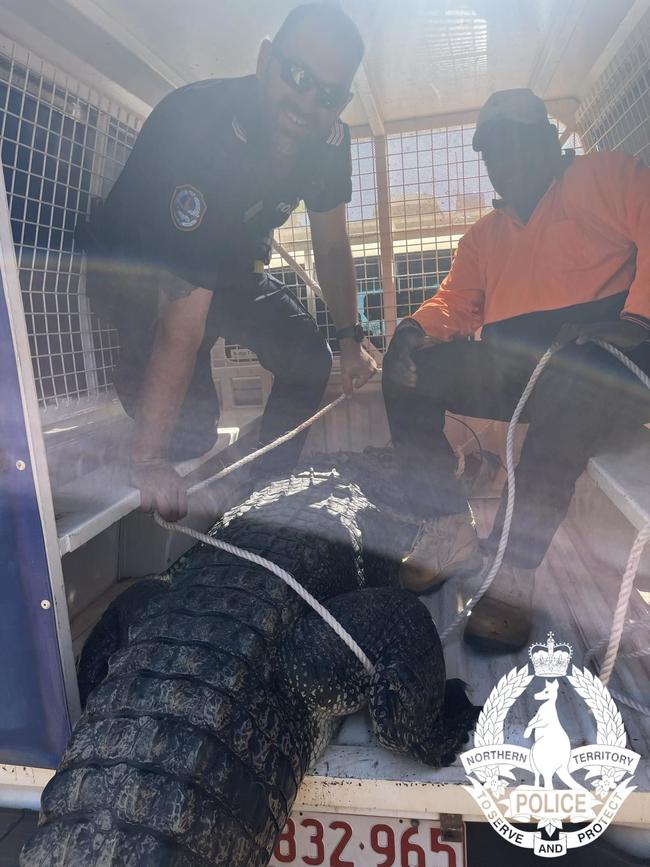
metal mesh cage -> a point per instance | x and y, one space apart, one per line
615 113
438 188
294 238
413 196
61 145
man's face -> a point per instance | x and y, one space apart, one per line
521 160
294 117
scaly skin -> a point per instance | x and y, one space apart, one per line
223 688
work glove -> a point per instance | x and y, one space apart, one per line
399 365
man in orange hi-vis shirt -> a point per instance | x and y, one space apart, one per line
564 255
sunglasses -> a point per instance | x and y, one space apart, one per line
302 80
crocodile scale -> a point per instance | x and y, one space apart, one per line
209 696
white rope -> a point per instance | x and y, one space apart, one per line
460 466
632 654
285 576
629 576
510 504
624 594
627 583
621 698
627 362
263 450
613 641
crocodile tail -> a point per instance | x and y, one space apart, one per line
183 756
112 632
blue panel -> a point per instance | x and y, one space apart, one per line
34 722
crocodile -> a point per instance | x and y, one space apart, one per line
208 696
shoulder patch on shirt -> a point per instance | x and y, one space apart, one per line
187 207
287 207
337 134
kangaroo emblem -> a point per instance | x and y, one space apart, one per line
551 751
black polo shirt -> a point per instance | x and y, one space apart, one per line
197 196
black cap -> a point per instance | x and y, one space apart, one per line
518 106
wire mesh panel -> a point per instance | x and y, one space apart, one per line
61 145
363 229
295 238
615 114
438 188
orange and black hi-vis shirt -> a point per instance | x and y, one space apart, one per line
588 239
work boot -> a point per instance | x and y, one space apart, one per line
501 621
442 548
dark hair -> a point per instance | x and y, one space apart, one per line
329 17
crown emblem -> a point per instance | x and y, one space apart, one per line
551 659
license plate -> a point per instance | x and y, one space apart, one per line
338 840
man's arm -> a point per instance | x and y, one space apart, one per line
621 203
456 310
180 332
335 268
627 206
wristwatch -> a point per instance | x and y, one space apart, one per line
355 332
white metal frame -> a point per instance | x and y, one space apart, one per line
343 787
21 788
102 19
37 458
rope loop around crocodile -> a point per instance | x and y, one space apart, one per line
627 584
285 576
251 557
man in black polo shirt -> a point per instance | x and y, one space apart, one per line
177 251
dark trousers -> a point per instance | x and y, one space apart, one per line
259 313
583 400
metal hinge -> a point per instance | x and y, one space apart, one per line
453 827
